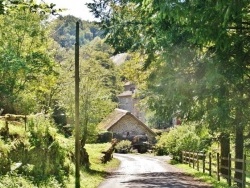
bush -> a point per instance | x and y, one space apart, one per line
188 137
123 146
41 151
13 179
160 149
105 137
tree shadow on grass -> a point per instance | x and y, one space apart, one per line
97 172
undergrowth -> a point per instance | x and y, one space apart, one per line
37 155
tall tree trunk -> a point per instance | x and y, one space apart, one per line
239 150
225 150
239 60
85 113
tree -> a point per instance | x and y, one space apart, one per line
63 31
32 6
98 86
27 73
216 32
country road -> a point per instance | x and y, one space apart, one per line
145 171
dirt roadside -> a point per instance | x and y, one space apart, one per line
146 171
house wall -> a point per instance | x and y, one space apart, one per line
129 103
129 87
126 103
129 124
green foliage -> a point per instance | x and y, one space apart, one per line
198 68
40 157
104 137
187 137
27 74
161 148
4 148
99 85
201 71
14 180
48 143
63 31
42 8
123 146
31 81
42 152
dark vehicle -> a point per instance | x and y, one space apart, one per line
140 142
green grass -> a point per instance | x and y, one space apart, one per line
96 174
203 177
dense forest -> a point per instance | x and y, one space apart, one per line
189 59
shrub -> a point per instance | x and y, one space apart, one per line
43 153
14 180
160 149
105 137
123 146
187 137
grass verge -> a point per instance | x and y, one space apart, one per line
97 172
203 177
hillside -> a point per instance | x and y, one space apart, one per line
63 31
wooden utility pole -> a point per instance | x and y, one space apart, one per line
77 127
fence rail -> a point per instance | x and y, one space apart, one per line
211 163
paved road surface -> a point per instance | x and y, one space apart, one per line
141 171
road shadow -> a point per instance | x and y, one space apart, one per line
162 179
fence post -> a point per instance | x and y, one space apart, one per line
204 163
198 164
7 129
210 164
218 166
244 171
182 158
189 157
25 122
193 159
229 170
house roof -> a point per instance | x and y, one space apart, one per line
120 58
116 116
125 93
128 83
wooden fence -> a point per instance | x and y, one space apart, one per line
211 163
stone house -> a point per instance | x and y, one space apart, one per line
124 124
128 101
